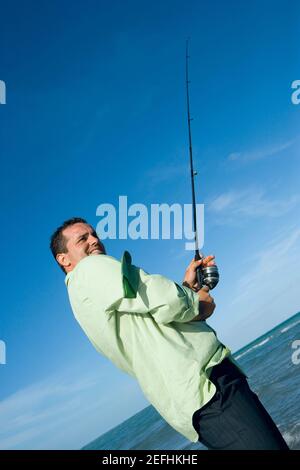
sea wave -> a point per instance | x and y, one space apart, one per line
258 345
262 342
289 327
241 355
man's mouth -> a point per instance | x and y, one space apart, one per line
96 251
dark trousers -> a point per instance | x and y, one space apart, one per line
235 418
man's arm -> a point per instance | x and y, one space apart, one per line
162 298
206 304
98 281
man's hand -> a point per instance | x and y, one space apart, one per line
206 304
190 278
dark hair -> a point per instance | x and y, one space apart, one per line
58 241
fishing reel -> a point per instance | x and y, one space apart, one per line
208 276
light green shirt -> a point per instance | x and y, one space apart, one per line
142 323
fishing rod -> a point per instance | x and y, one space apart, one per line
208 276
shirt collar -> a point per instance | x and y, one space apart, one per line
67 278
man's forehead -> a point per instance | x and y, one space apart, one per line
77 229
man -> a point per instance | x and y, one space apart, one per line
155 330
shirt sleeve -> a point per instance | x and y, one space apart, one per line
162 298
100 279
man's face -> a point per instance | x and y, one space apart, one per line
82 241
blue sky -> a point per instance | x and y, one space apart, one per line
96 109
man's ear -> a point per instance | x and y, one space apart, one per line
63 260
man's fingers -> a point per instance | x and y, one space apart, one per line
208 260
205 288
197 263
194 264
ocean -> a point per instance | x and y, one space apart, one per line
274 375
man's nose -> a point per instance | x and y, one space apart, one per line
93 240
